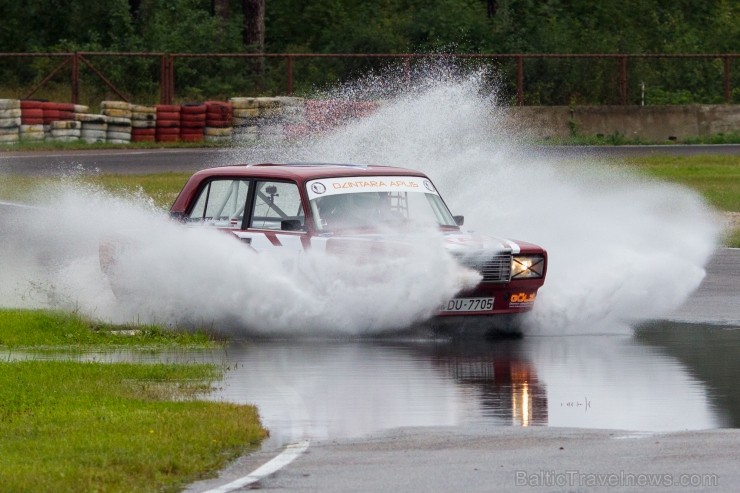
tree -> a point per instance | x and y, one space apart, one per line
254 24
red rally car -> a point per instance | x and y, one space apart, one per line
333 206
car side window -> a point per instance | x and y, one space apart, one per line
277 205
221 203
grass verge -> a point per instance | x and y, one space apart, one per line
70 426
50 330
716 178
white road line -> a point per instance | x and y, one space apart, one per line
13 204
288 455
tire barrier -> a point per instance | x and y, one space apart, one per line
32 132
65 130
32 112
10 121
118 117
193 122
263 118
143 123
240 119
94 127
168 123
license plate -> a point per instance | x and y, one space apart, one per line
468 305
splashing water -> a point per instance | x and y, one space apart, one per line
621 248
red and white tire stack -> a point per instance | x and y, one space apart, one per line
10 121
143 123
192 122
118 116
245 119
55 112
218 121
94 127
32 120
167 123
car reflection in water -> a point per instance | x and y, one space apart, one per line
339 389
507 384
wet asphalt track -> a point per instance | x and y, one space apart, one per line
166 160
482 454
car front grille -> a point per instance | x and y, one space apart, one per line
493 268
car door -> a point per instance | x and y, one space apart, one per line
276 216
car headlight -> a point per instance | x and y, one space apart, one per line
527 266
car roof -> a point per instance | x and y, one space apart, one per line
307 171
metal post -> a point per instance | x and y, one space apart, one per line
623 79
75 77
170 79
520 80
726 79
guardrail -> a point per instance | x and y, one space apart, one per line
77 61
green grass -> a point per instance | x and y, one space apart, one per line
617 139
49 145
47 329
717 178
161 187
70 426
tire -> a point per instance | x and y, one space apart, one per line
139 108
143 123
168 124
167 131
192 138
193 117
143 131
65 138
116 105
32 112
31 104
114 120
94 127
117 141
113 135
68 107
10 130
143 138
14 113
218 132
168 138
9 138
138 115
93 134
10 122
219 123
65 132
191 131
198 125
167 108
193 109
10 104
91 118
66 125
116 113
243 103
81 108
168 115
246 113
94 140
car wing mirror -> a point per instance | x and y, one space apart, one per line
459 220
291 225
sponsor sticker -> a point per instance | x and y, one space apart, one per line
359 184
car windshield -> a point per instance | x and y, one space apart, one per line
377 201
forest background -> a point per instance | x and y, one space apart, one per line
381 26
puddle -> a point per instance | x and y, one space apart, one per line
665 377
